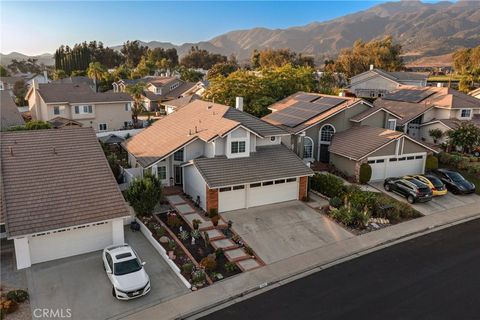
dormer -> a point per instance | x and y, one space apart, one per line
238 143
154 89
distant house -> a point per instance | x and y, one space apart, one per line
69 202
9 113
7 83
158 90
475 93
419 110
223 158
176 104
106 111
376 83
76 80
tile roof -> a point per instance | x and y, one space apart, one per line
268 163
300 97
174 94
181 102
197 120
359 141
405 110
402 75
369 112
55 179
11 80
61 122
454 123
75 80
10 116
77 93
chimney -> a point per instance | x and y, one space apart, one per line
239 103
35 84
439 85
342 94
371 67
45 75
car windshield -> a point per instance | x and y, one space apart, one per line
456 176
126 267
435 181
417 183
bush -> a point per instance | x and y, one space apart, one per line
327 184
365 173
464 163
9 306
187 268
215 220
231 267
444 158
213 212
173 221
198 277
360 199
209 263
249 251
405 210
431 163
184 235
335 202
196 224
219 253
359 218
17 295
144 194
160 232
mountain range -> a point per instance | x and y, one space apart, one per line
423 29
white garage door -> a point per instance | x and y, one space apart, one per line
272 192
231 198
385 167
70 242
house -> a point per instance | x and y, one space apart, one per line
9 113
176 104
223 157
321 124
158 89
421 109
76 80
475 93
7 83
105 111
376 83
59 196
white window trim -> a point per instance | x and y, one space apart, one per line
312 148
466 109
100 127
394 121
158 172
81 109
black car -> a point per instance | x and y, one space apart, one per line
455 182
413 189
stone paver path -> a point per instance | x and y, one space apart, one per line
176 199
224 244
237 254
184 208
248 264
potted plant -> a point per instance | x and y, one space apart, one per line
215 220
196 224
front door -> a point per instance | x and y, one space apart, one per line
178 175
324 153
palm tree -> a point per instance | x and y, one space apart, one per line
136 91
96 72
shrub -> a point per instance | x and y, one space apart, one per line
360 199
183 235
219 253
359 218
160 232
17 295
342 215
215 220
195 234
173 221
231 267
444 158
335 202
249 251
187 267
209 263
8 306
327 184
406 211
172 245
365 173
431 163
213 212
196 224
436 134
464 163
198 277
144 194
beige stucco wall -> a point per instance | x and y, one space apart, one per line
424 132
377 119
387 150
412 147
343 164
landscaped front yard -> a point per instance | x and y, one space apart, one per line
467 166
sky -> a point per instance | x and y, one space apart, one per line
38 27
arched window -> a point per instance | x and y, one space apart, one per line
326 133
307 148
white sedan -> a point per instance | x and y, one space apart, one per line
126 272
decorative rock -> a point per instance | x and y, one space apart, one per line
164 239
194 288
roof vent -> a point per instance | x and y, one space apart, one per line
209 107
11 151
54 150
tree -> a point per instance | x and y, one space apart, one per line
255 60
187 74
222 69
144 194
201 58
96 72
32 125
133 52
59 74
136 91
466 136
436 134
20 90
3 71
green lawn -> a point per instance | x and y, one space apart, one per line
470 177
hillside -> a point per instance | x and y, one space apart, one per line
423 29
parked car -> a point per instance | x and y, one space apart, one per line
434 183
413 190
126 272
454 181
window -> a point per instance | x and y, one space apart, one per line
102 126
410 158
267 183
380 161
465 113
83 109
128 106
393 159
255 185
178 156
401 159
225 189
273 139
371 161
418 157
238 147
175 85
56 110
307 148
238 187
291 179
326 133
279 181
162 172
392 124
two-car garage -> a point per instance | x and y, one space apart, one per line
397 166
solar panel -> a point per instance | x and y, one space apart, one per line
308 97
409 95
331 101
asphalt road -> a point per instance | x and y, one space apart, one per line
436 276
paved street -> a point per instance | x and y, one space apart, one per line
436 276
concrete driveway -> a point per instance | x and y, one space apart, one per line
80 284
279 231
438 204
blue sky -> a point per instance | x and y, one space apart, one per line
39 27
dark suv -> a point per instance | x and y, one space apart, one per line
413 190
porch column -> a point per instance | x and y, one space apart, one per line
117 232
22 252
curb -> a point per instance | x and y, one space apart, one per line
310 270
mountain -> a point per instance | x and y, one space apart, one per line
46 58
423 29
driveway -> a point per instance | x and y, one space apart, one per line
80 283
279 231
438 204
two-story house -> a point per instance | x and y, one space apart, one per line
224 158
344 132
106 111
419 110
376 83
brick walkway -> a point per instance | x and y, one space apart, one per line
233 252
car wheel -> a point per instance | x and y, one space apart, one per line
113 292
387 187
410 199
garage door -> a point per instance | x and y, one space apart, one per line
70 242
231 198
272 192
385 167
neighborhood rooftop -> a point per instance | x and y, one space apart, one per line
55 179
9 112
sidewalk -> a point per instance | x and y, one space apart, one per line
308 262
